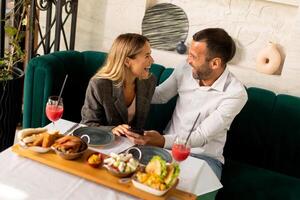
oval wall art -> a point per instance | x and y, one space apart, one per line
165 25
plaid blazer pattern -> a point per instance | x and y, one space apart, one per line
104 103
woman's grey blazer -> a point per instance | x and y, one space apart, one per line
104 103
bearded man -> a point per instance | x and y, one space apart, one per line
205 87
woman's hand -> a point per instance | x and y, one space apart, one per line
120 130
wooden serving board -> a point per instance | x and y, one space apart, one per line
80 168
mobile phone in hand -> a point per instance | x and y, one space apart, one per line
137 130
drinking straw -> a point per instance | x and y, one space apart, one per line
61 90
187 139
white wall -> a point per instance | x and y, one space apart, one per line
252 23
101 21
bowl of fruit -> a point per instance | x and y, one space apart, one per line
121 165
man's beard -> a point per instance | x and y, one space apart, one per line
202 74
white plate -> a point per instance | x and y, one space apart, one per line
34 148
149 189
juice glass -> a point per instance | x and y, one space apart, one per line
54 109
180 150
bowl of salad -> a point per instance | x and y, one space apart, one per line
158 177
121 165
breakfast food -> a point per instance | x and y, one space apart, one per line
49 139
69 147
27 132
69 144
95 159
158 174
121 163
38 137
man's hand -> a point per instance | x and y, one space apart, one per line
120 130
152 137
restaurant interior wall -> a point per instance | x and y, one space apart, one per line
252 23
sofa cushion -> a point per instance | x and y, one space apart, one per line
93 60
242 181
284 136
73 65
157 70
247 137
44 77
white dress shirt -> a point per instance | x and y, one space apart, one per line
217 104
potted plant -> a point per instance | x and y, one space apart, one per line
11 74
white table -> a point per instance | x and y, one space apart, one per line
22 178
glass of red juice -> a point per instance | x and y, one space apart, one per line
180 149
54 109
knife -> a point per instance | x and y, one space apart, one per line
69 131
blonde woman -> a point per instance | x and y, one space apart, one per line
118 96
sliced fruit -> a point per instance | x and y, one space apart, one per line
95 160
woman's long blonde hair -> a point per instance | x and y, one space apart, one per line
125 45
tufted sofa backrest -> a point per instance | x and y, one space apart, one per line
266 133
45 74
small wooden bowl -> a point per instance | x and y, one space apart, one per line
97 164
71 156
116 173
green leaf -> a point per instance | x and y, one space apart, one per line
14 53
10 31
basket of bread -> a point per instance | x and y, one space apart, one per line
37 139
41 140
158 177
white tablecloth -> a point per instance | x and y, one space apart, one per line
22 178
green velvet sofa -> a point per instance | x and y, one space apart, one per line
44 77
262 158
262 152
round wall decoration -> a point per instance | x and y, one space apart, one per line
165 25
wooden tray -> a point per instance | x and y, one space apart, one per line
99 175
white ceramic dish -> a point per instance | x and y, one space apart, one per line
34 148
149 189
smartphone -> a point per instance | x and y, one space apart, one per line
137 130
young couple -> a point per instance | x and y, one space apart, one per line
119 95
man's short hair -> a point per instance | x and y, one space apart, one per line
218 42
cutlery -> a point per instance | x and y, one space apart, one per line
69 131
